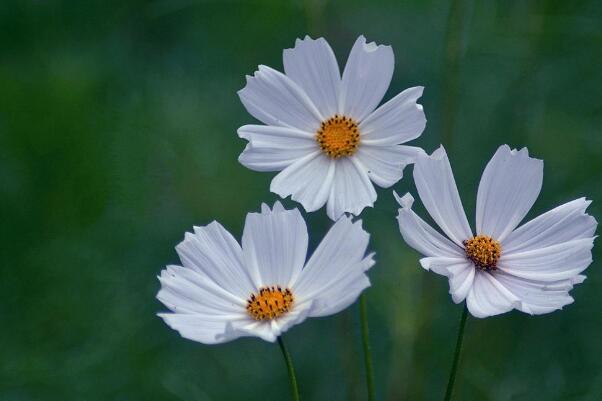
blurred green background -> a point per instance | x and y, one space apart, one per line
118 133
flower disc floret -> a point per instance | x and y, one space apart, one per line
483 251
270 303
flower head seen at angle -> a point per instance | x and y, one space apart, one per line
531 268
224 290
323 131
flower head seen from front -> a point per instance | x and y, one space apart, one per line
323 131
224 290
531 268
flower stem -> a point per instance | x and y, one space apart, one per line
457 352
291 369
367 351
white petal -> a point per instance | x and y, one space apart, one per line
213 251
308 181
437 189
487 297
366 78
313 66
274 99
344 292
337 266
563 223
384 164
266 136
399 120
202 328
509 186
539 297
552 263
461 280
421 236
189 291
274 148
459 270
351 190
274 245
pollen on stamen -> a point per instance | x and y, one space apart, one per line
338 136
270 303
483 251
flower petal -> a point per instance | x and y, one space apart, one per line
308 181
399 120
313 66
437 189
563 223
274 148
274 245
552 263
385 164
189 291
212 251
539 297
459 270
351 190
421 236
509 186
337 266
206 329
366 78
487 297
275 99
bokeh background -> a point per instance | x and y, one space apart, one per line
118 133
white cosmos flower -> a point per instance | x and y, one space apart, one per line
323 132
531 268
224 291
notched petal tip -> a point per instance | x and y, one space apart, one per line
405 201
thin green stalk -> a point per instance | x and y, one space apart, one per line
457 352
291 370
367 351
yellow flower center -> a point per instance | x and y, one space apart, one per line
270 303
338 136
484 252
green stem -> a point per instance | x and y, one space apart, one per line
291 370
367 351
457 352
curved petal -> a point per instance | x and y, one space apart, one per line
338 263
487 297
552 263
437 189
351 190
212 251
399 120
267 136
509 186
384 164
344 292
308 181
366 78
205 329
274 148
274 244
460 272
184 290
313 66
421 236
274 99
539 297
564 223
